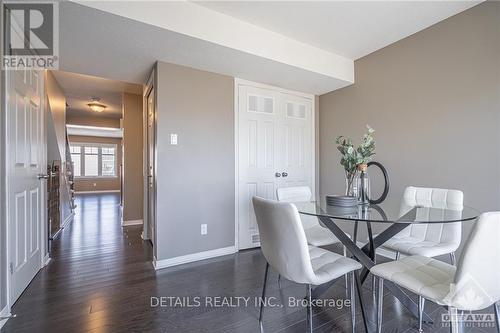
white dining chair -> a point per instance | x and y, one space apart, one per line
432 239
316 234
284 245
472 285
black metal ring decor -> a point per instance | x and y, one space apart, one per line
386 186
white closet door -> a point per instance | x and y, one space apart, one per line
258 121
295 141
274 149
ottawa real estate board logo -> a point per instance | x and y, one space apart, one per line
30 35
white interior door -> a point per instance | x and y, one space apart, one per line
26 159
296 142
275 148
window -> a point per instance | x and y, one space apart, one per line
108 161
77 162
93 160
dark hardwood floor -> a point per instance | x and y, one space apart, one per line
101 280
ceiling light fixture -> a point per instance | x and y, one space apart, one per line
94 105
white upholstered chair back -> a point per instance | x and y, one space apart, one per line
477 281
298 194
283 240
433 198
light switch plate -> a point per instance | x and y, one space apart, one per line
173 139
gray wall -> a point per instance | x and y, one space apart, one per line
57 113
93 121
195 179
434 101
132 158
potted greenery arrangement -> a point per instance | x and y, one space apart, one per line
353 159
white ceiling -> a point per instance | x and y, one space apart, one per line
80 89
351 29
303 46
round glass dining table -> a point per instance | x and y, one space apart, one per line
390 211
396 215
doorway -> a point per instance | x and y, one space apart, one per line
149 102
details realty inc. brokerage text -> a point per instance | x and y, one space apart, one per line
243 301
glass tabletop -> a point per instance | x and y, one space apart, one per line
392 210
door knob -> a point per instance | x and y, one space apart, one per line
284 174
277 174
43 176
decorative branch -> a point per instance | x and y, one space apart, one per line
352 157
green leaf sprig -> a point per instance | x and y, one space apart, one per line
351 157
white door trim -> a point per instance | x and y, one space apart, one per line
146 90
149 88
237 83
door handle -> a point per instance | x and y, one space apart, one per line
277 174
43 176
284 174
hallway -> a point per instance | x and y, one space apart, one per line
93 276
101 280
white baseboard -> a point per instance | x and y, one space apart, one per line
46 260
159 264
68 219
4 313
102 191
131 222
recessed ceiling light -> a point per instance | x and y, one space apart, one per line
94 105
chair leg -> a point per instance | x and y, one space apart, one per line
262 300
309 318
353 301
496 306
453 259
345 276
454 325
374 280
374 286
279 281
421 305
380 303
